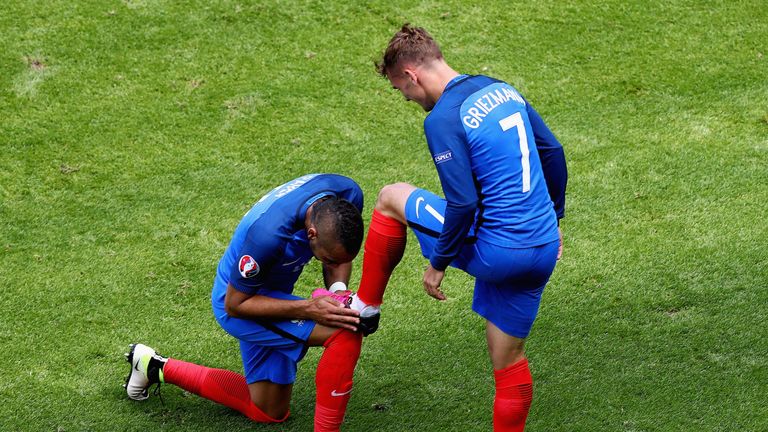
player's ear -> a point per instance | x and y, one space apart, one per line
411 74
311 232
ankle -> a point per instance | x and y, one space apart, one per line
155 368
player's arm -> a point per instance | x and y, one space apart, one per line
249 276
322 310
552 159
461 203
458 185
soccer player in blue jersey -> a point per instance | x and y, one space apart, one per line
503 175
316 215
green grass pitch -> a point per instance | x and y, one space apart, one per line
134 135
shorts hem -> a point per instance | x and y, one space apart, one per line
508 329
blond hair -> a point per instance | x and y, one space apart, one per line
411 45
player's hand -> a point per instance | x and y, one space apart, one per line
326 311
560 248
432 280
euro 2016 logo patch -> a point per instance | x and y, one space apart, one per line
443 157
248 266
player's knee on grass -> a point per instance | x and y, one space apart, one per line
273 400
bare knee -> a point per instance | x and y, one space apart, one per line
271 398
392 198
504 350
390 195
503 357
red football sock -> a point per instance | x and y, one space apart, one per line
225 387
514 393
334 379
383 250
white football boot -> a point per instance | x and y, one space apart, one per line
146 369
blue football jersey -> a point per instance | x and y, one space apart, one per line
269 248
486 142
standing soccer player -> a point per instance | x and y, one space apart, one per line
314 215
503 174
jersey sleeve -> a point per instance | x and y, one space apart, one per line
552 159
259 252
451 157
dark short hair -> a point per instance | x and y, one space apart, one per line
343 220
409 44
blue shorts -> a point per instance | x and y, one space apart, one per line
508 281
270 349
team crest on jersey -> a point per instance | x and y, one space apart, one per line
248 266
443 157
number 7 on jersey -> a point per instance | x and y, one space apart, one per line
516 120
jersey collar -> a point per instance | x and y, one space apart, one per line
309 202
452 83
455 81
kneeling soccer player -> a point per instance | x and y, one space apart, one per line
314 215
